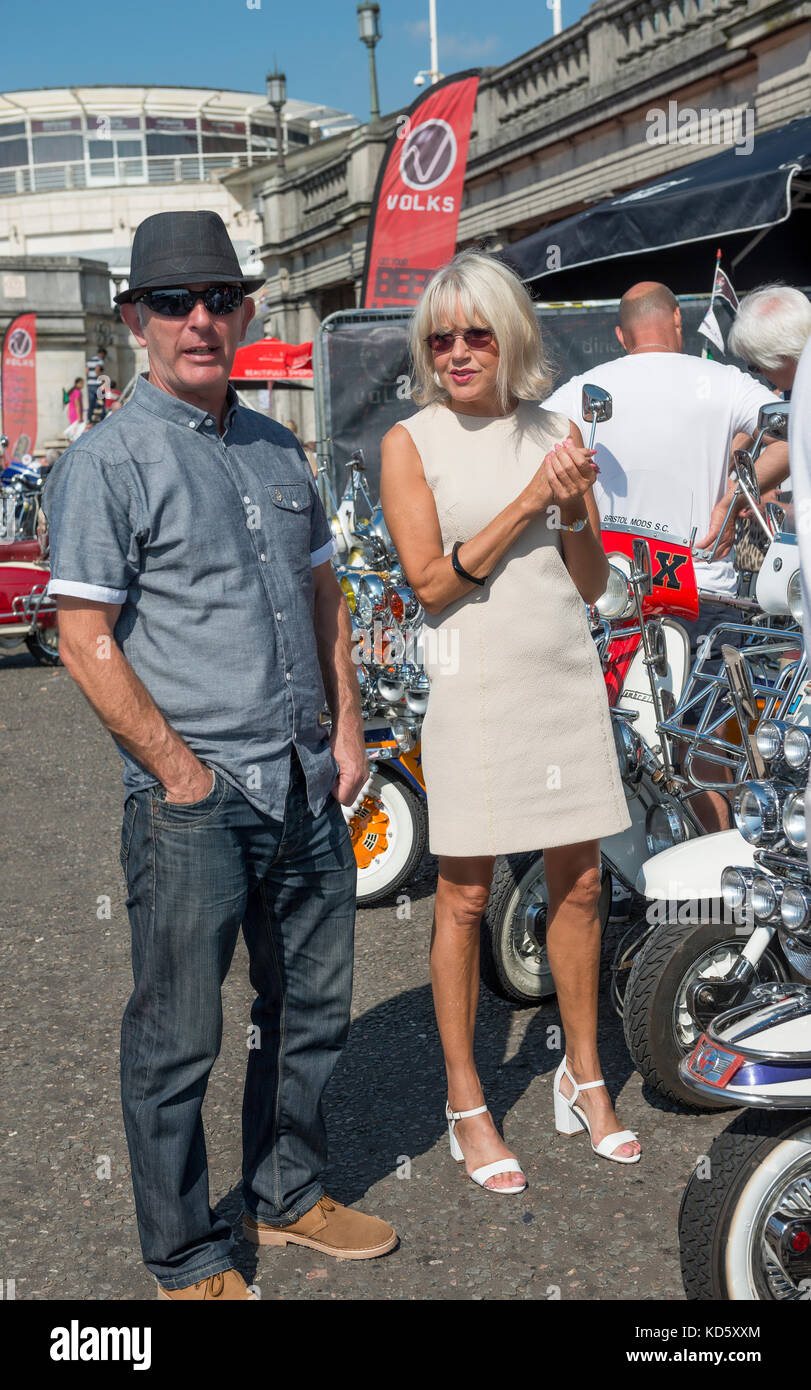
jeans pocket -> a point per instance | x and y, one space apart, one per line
127 827
178 812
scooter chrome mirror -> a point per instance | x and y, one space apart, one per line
596 407
642 573
775 515
773 419
745 470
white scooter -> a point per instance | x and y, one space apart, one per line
696 958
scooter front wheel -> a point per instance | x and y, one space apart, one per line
746 1213
513 962
659 1029
389 833
43 644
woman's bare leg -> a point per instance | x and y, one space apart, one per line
573 947
461 897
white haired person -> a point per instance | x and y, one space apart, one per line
770 332
488 501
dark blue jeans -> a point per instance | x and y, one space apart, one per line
195 873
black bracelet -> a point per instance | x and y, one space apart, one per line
459 567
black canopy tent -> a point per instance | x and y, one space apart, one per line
668 230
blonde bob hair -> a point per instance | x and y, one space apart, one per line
482 290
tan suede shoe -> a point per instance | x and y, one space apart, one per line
330 1228
227 1285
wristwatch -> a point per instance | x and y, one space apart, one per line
578 525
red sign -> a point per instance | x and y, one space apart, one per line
415 209
20 386
272 360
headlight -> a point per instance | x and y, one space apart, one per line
664 827
349 584
617 601
795 597
629 750
757 812
797 748
735 884
769 739
765 897
794 820
406 734
372 587
795 907
392 691
396 605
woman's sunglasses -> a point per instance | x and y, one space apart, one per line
177 304
474 338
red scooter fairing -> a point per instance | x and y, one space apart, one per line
674 594
675 588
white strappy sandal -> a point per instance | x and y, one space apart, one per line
570 1119
487 1170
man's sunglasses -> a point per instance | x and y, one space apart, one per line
474 338
177 304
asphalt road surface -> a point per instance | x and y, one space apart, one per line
584 1229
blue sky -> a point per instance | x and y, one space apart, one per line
223 43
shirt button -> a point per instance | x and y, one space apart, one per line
295 504
246 499
261 557
278 615
191 424
208 420
287 676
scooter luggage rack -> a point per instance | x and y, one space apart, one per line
706 691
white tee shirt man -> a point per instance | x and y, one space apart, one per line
664 454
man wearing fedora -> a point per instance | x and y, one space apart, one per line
200 616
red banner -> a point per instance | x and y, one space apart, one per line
272 360
415 209
20 386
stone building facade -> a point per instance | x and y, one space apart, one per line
71 299
562 126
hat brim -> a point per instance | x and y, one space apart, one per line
250 286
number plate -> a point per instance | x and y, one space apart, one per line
713 1065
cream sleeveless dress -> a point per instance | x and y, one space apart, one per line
517 747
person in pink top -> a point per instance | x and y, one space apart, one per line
75 402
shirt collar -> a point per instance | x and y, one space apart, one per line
179 412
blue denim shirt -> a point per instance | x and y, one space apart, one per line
209 544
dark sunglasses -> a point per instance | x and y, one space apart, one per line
474 338
176 304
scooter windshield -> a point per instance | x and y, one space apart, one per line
641 500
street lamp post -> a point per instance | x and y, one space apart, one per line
277 96
432 74
369 28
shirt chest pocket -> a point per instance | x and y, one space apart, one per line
290 497
286 523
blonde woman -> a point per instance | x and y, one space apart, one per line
488 501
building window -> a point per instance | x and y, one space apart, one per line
57 149
13 153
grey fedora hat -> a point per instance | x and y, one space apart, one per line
183 248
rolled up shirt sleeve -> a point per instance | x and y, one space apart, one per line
322 541
92 527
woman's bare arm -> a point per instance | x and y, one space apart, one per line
583 552
410 512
